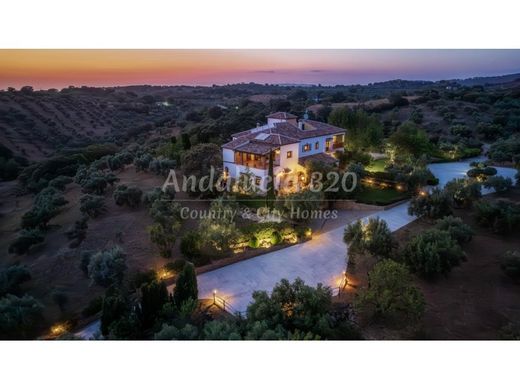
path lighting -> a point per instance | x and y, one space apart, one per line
422 193
215 296
58 329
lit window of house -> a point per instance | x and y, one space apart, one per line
306 147
289 154
317 145
257 180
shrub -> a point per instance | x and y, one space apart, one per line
372 236
432 253
163 238
92 205
107 267
191 245
433 205
26 239
498 183
176 265
186 285
502 216
391 294
12 277
458 230
510 264
463 192
130 196
18 315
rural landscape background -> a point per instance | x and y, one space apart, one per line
87 237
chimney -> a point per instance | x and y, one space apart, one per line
300 124
257 125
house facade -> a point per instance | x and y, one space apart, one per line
290 140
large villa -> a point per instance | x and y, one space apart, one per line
290 140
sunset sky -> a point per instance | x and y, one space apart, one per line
60 68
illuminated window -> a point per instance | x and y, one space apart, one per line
306 147
257 180
289 154
317 145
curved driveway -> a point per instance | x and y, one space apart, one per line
320 260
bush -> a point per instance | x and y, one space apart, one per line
502 216
510 264
176 265
186 285
191 245
458 230
12 277
373 237
92 205
26 239
18 315
391 294
463 192
433 205
432 253
130 196
107 267
499 183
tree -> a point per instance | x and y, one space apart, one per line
293 310
12 277
408 141
163 237
130 196
364 131
458 230
463 191
502 216
153 296
18 315
433 205
186 285
270 197
372 236
200 160
47 204
107 268
391 294
26 239
92 205
114 308
171 332
499 183
191 245
432 253
220 230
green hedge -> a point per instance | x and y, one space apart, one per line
267 234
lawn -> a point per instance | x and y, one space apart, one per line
380 196
377 165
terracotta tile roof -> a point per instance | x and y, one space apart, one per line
281 115
283 133
320 157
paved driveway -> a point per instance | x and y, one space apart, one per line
320 260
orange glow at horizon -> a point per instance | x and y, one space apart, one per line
58 68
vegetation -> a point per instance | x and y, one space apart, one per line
372 237
499 183
501 216
463 192
130 196
391 295
434 205
92 205
186 286
433 253
364 131
458 230
106 268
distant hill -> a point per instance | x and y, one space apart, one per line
492 80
